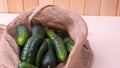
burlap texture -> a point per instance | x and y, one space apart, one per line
2 27
54 17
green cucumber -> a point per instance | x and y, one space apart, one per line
50 43
38 30
49 60
42 50
50 33
60 49
26 65
31 48
69 43
34 49
22 34
58 45
26 49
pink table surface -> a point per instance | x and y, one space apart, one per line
104 37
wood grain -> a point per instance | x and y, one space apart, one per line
78 6
62 3
15 6
118 12
82 7
30 4
92 7
3 6
46 2
109 7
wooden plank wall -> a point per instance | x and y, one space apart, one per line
92 7
64 4
118 12
78 6
109 7
82 7
46 2
3 6
15 6
30 3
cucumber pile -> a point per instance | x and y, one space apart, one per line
42 47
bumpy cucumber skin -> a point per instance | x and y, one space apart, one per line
38 30
50 43
26 65
49 60
33 44
69 43
33 49
60 49
30 49
26 49
50 33
22 34
58 45
42 50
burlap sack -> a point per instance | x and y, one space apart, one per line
2 27
54 17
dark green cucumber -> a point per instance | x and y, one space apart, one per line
26 49
22 34
69 43
60 49
50 43
34 49
42 50
26 65
32 45
38 30
49 60
30 49
58 44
